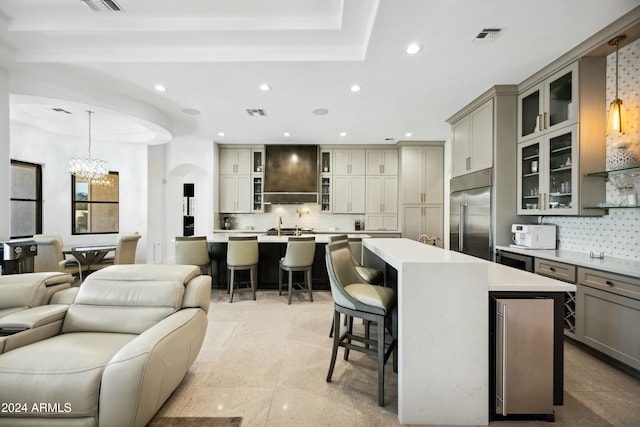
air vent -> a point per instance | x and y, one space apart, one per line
487 35
61 110
102 5
256 112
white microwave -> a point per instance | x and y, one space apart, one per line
534 236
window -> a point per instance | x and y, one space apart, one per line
26 199
95 207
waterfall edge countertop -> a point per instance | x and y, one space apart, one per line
443 327
627 267
263 238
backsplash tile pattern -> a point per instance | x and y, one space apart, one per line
616 234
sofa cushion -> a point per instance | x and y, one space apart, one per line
31 289
118 298
47 372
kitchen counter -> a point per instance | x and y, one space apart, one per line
263 238
443 327
315 231
614 265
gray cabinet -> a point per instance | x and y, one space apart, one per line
608 314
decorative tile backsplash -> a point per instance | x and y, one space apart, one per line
616 234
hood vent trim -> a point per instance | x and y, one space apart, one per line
102 5
289 198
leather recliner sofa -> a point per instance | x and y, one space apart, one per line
128 337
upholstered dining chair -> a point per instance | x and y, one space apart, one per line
298 257
125 252
242 254
355 298
370 275
51 258
193 251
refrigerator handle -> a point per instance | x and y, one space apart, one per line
504 359
461 229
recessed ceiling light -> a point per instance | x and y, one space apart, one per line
408 134
355 88
265 87
413 48
343 134
160 88
220 133
287 134
191 111
320 111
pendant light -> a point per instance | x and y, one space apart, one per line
94 170
617 115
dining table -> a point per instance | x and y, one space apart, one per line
90 254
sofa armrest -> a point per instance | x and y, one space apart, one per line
66 296
143 374
31 325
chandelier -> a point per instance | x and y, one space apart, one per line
94 170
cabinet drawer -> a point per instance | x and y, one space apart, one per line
609 282
555 270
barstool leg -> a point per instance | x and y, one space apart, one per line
254 277
290 284
279 280
231 274
336 340
380 327
309 285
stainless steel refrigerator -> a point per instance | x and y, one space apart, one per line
470 214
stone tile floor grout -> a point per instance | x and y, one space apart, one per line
267 361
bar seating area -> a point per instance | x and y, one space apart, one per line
298 258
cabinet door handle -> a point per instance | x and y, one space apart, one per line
540 122
468 163
552 269
545 120
609 282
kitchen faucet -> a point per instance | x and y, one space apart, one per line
279 225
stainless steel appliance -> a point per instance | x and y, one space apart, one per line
521 262
470 214
524 357
534 236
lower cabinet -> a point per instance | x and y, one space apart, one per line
608 314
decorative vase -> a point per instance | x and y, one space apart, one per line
621 157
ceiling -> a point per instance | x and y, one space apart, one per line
212 55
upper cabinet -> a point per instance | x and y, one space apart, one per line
382 162
549 105
566 143
472 140
349 162
235 161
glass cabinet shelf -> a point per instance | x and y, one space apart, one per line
606 174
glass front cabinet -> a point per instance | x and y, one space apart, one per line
549 105
546 174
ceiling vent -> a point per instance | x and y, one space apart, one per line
102 5
256 112
487 35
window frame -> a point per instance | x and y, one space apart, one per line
74 202
38 200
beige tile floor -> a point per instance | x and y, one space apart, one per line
267 361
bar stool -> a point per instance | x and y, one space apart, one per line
355 298
368 274
242 254
193 251
298 257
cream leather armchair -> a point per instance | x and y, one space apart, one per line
127 340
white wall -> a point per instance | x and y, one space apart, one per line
53 151
5 169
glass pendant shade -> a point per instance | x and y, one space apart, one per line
617 118
88 168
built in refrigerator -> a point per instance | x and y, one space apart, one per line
470 214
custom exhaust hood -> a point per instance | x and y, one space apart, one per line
291 174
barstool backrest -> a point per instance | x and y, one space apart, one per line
242 250
300 251
341 273
192 250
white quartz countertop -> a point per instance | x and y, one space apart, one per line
263 238
626 267
315 231
398 252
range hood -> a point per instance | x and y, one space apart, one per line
291 174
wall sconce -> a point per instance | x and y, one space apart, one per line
304 211
617 115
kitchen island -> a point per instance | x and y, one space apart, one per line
443 327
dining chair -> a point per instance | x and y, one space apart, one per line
193 250
51 258
125 252
370 275
242 254
354 297
298 257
